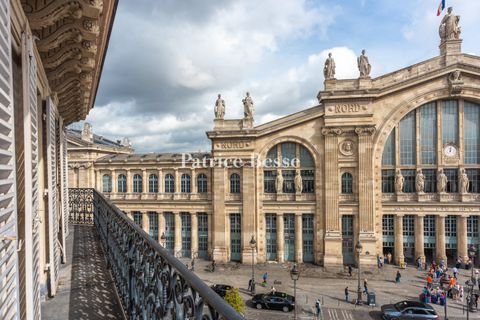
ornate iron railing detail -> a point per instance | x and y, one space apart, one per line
80 205
151 283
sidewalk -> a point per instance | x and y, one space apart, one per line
328 286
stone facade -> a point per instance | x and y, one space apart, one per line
344 195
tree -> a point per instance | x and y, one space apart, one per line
233 298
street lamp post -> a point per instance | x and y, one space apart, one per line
253 245
295 274
471 254
445 290
358 248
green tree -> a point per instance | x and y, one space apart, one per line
233 298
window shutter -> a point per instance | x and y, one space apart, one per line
9 285
63 185
32 218
53 214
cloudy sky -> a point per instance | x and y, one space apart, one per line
168 59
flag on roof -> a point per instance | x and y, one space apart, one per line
441 6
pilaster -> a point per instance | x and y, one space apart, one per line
114 181
218 225
144 181
194 181
177 183
145 222
161 183
398 246
462 244
280 238
441 252
298 238
419 237
248 212
129 181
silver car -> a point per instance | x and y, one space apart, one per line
411 310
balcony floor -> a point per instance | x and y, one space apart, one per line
85 289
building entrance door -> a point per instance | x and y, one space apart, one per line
235 237
186 235
307 225
203 235
347 240
271 235
289 233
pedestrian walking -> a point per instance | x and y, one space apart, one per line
455 272
346 294
273 290
213 265
365 286
389 258
398 276
193 264
265 276
350 270
318 309
250 282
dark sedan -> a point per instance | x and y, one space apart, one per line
274 301
411 310
221 289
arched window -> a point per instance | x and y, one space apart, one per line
234 183
122 183
287 159
202 183
137 183
153 183
107 183
347 183
185 183
169 183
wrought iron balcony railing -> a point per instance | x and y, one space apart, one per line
151 283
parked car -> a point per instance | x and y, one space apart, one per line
221 289
411 310
274 301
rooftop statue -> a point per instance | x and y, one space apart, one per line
248 106
219 107
363 65
329 69
449 28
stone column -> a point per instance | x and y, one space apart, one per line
333 236
298 238
218 219
419 237
114 181
178 232
462 243
398 246
280 238
248 216
129 181
144 181
194 234
441 251
366 208
145 222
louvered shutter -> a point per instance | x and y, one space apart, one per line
53 215
64 184
9 282
32 218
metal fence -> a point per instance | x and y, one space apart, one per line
151 283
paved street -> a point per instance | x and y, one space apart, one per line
328 286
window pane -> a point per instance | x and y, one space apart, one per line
407 139
472 133
122 183
288 150
452 180
306 159
202 183
288 181
409 182
430 180
153 183
450 123
234 183
347 183
388 181
272 158
474 180
107 183
169 183
269 181
428 133
185 183
308 181
388 158
137 183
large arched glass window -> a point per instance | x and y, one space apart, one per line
289 159
426 140
122 183
169 183
202 183
107 183
137 183
347 183
234 183
185 183
153 183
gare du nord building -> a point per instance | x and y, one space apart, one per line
392 162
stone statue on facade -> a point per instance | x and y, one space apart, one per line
449 28
441 181
279 182
219 107
463 182
329 68
298 182
419 181
87 133
399 180
363 65
248 106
